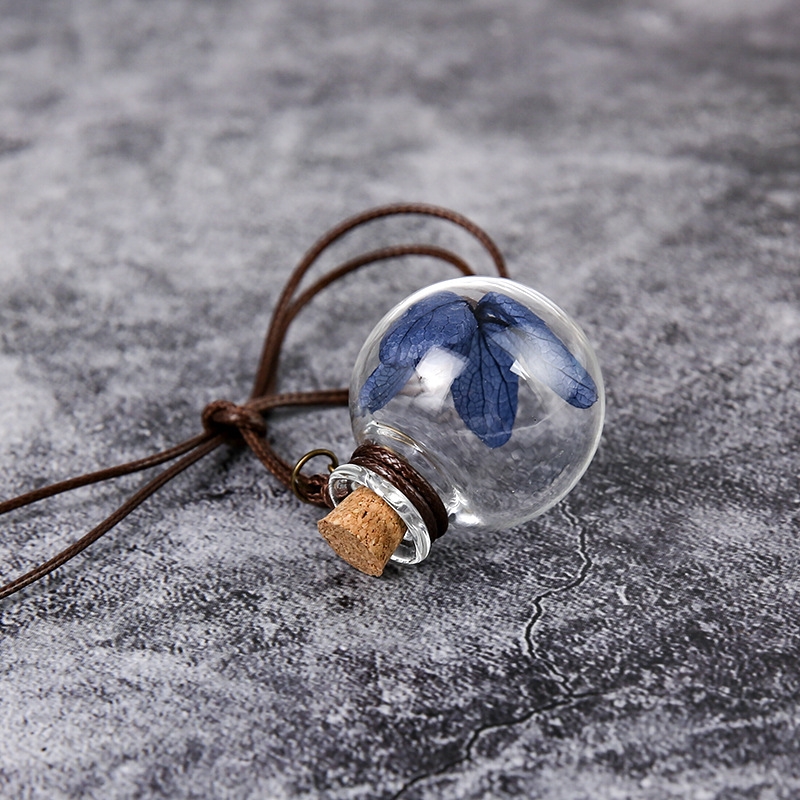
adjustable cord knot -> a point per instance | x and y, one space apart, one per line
225 418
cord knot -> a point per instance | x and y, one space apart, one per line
223 417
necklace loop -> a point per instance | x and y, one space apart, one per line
294 482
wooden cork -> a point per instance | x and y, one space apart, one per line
364 530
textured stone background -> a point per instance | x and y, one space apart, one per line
163 164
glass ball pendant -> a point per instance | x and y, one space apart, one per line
489 391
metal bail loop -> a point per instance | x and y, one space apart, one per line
294 483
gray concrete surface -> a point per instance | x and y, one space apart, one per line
163 164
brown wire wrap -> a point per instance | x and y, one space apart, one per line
404 477
225 422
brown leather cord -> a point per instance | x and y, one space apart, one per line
225 422
265 377
102 475
404 477
109 522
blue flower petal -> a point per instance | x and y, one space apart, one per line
441 320
485 393
383 384
524 335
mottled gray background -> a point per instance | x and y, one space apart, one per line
162 166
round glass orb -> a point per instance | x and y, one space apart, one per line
489 390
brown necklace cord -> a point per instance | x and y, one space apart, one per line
226 422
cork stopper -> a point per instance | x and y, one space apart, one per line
364 530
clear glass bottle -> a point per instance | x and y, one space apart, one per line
490 391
